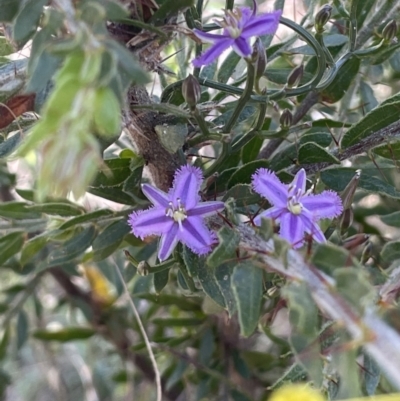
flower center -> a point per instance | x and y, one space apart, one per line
231 22
294 206
176 213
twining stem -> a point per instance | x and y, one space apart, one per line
244 98
201 122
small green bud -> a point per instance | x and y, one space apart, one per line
322 18
191 91
295 76
286 119
259 58
389 32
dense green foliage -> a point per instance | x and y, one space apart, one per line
86 310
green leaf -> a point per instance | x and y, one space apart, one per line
353 284
338 178
228 67
22 329
210 285
115 194
169 8
92 216
185 304
160 280
64 335
223 274
10 244
9 9
172 137
329 257
367 96
58 209
243 195
388 151
109 239
372 374
114 10
312 153
244 173
251 150
27 20
392 219
303 315
247 282
336 90
10 144
73 248
289 154
32 247
17 210
378 118
114 172
107 110
228 242
127 62
391 251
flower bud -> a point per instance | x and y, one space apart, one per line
346 220
348 193
389 31
355 241
366 253
286 119
322 17
259 58
191 91
295 76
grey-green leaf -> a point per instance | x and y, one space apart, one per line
247 281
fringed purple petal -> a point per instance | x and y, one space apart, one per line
242 47
213 52
324 205
168 243
155 195
264 24
272 213
298 185
150 222
247 14
209 37
186 186
311 227
196 235
292 229
267 184
205 209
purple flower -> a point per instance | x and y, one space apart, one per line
297 210
177 215
239 26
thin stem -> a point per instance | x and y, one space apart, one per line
144 334
201 122
245 97
224 153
